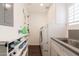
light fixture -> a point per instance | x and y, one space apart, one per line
41 4
7 5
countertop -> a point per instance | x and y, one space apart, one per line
11 38
74 49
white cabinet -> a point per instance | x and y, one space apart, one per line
3 50
6 14
54 49
1 14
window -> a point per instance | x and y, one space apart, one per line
73 13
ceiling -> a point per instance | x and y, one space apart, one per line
36 8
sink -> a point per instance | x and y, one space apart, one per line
63 39
72 42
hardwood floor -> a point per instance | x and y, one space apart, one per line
34 50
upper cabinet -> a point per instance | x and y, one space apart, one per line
1 14
6 14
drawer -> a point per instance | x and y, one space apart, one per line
3 51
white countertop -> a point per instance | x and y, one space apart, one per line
11 38
67 45
9 33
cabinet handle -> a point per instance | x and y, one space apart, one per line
46 50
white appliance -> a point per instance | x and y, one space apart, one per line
44 41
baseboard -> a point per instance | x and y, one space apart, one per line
34 45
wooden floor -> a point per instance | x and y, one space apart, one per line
34 51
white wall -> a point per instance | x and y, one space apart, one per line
19 16
37 20
9 33
57 20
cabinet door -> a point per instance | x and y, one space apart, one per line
8 14
1 14
54 49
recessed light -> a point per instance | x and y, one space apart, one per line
41 4
7 5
